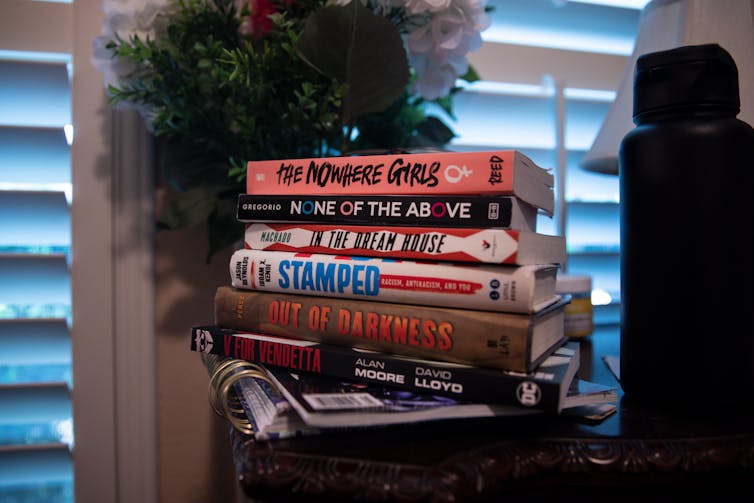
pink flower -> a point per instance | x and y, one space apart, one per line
259 23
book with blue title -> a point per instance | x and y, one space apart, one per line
492 287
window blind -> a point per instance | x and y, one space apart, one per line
36 428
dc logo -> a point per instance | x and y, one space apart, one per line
203 341
528 393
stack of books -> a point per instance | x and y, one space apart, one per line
369 285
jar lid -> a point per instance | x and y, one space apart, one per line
573 283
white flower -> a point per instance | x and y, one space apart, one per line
438 48
420 6
125 18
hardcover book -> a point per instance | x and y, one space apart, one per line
503 172
410 210
511 341
492 246
488 287
544 389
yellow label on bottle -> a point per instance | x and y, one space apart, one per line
579 317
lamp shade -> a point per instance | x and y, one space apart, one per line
667 24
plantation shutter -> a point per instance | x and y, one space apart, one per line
549 71
36 427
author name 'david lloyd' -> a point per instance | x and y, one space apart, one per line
427 378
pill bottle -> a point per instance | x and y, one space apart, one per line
579 313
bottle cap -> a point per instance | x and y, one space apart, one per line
573 283
687 75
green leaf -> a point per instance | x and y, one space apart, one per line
435 131
471 75
188 208
361 49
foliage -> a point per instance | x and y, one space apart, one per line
222 82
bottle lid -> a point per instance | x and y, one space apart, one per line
573 283
687 75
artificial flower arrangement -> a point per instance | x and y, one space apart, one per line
222 82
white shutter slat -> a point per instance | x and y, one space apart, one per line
34 280
522 64
43 474
54 19
562 24
34 413
523 121
32 155
34 94
34 342
34 219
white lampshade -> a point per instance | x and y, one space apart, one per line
667 24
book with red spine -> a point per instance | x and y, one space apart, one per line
487 245
491 287
500 172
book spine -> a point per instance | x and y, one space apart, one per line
432 173
494 246
488 287
482 338
420 211
540 390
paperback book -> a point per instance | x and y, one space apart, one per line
410 210
546 388
510 341
324 403
491 287
285 404
492 246
502 172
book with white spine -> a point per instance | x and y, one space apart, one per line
492 287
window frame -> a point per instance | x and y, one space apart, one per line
112 285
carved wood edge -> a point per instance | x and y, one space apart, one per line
261 469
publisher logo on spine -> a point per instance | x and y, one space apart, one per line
528 393
203 341
493 211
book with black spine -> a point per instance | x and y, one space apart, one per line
278 403
546 388
409 210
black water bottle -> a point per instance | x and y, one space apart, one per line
687 208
